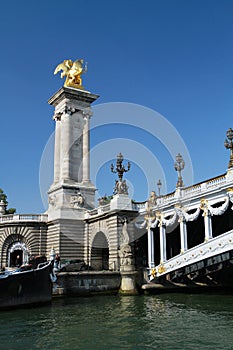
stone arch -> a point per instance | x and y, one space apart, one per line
13 246
100 251
17 238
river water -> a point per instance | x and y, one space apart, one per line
169 321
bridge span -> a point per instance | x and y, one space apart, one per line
190 231
206 258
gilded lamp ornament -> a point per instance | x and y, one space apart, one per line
229 145
179 166
72 71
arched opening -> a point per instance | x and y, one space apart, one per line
195 231
173 242
17 254
100 252
141 251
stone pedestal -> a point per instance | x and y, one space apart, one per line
229 175
128 280
121 202
71 193
72 190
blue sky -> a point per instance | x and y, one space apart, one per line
174 57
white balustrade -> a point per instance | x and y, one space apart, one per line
24 217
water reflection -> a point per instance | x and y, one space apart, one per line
143 322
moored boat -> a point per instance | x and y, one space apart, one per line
26 286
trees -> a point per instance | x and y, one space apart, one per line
3 197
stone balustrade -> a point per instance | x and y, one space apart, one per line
187 192
139 206
23 217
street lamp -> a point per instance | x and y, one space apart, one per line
120 185
159 184
229 145
120 169
179 166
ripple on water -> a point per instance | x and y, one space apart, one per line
163 322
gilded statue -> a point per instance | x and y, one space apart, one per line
72 71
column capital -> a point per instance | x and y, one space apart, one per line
65 110
180 212
205 207
57 116
87 113
159 217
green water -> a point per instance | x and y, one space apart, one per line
175 321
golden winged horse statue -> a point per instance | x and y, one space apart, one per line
72 71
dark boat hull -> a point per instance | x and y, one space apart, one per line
26 288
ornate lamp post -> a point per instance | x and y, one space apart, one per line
179 166
120 169
159 184
120 186
229 145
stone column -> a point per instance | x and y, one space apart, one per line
208 226
57 147
183 235
163 251
86 145
207 219
150 239
65 144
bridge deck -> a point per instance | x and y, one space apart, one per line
211 251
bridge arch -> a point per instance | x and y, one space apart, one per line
100 251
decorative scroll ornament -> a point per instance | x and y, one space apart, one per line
208 209
184 216
170 221
153 272
219 210
161 268
230 194
140 225
193 216
154 223
72 71
165 222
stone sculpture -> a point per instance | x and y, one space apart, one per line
72 71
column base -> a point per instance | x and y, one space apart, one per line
128 281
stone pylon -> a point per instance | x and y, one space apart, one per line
127 266
72 191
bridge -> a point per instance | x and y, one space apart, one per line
189 231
